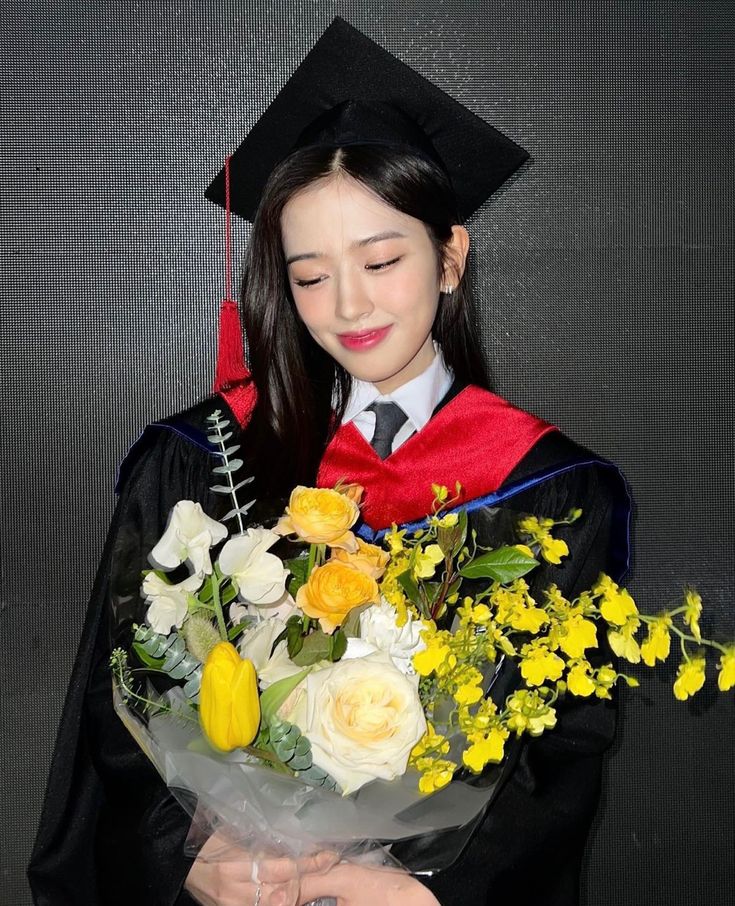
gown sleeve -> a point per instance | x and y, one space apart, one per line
528 847
110 832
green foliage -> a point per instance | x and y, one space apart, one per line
218 436
502 565
174 658
276 694
319 646
299 568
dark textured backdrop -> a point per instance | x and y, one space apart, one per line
605 276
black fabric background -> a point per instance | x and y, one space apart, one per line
604 273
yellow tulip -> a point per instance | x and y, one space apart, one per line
229 707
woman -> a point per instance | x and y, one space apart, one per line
355 293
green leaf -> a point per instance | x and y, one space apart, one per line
315 647
298 566
232 466
503 565
155 663
216 437
338 645
234 632
410 587
277 693
295 638
227 594
238 511
351 625
205 592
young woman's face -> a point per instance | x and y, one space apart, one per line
365 280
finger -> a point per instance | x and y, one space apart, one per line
317 862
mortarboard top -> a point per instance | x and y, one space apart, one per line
348 89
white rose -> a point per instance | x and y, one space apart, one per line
260 576
362 718
256 645
378 628
189 535
168 603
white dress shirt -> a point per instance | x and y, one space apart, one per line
417 398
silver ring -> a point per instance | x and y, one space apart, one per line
258 894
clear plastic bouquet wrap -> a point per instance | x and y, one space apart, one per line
343 698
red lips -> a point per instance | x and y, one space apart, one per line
364 339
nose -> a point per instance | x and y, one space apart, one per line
353 298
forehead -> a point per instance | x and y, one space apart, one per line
340 208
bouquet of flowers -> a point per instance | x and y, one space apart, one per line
346 693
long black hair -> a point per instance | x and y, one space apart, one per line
302 390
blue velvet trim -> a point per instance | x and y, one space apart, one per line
188 432
620 534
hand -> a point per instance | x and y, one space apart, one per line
360 885
224 874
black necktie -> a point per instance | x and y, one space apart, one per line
388 419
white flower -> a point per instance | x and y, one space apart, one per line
168 603
260 576
256 645
378 629
189 535
362 718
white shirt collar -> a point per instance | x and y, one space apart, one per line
418 397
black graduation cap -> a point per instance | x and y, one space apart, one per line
348 90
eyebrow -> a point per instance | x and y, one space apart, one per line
358 243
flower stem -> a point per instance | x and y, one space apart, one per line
221 625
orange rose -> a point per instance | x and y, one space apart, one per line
320 516
369 558
333 590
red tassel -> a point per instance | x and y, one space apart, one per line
230 368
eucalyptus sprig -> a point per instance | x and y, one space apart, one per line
218 436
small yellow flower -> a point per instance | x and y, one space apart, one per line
658 641
623 643
430 742
427 559
320 516
468 694
726 667
693 612
617 606
553 549
438 775
577 634
394 540
229 707
579 681
432 657
604 679
485 749
689 678
527 619
540 664
449 520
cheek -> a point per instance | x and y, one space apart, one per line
412 295
313 311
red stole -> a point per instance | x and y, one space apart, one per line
477 439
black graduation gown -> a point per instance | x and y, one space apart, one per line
110 832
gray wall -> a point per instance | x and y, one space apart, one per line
605 275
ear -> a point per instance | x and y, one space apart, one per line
456 256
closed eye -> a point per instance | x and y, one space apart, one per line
307 282
381 265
